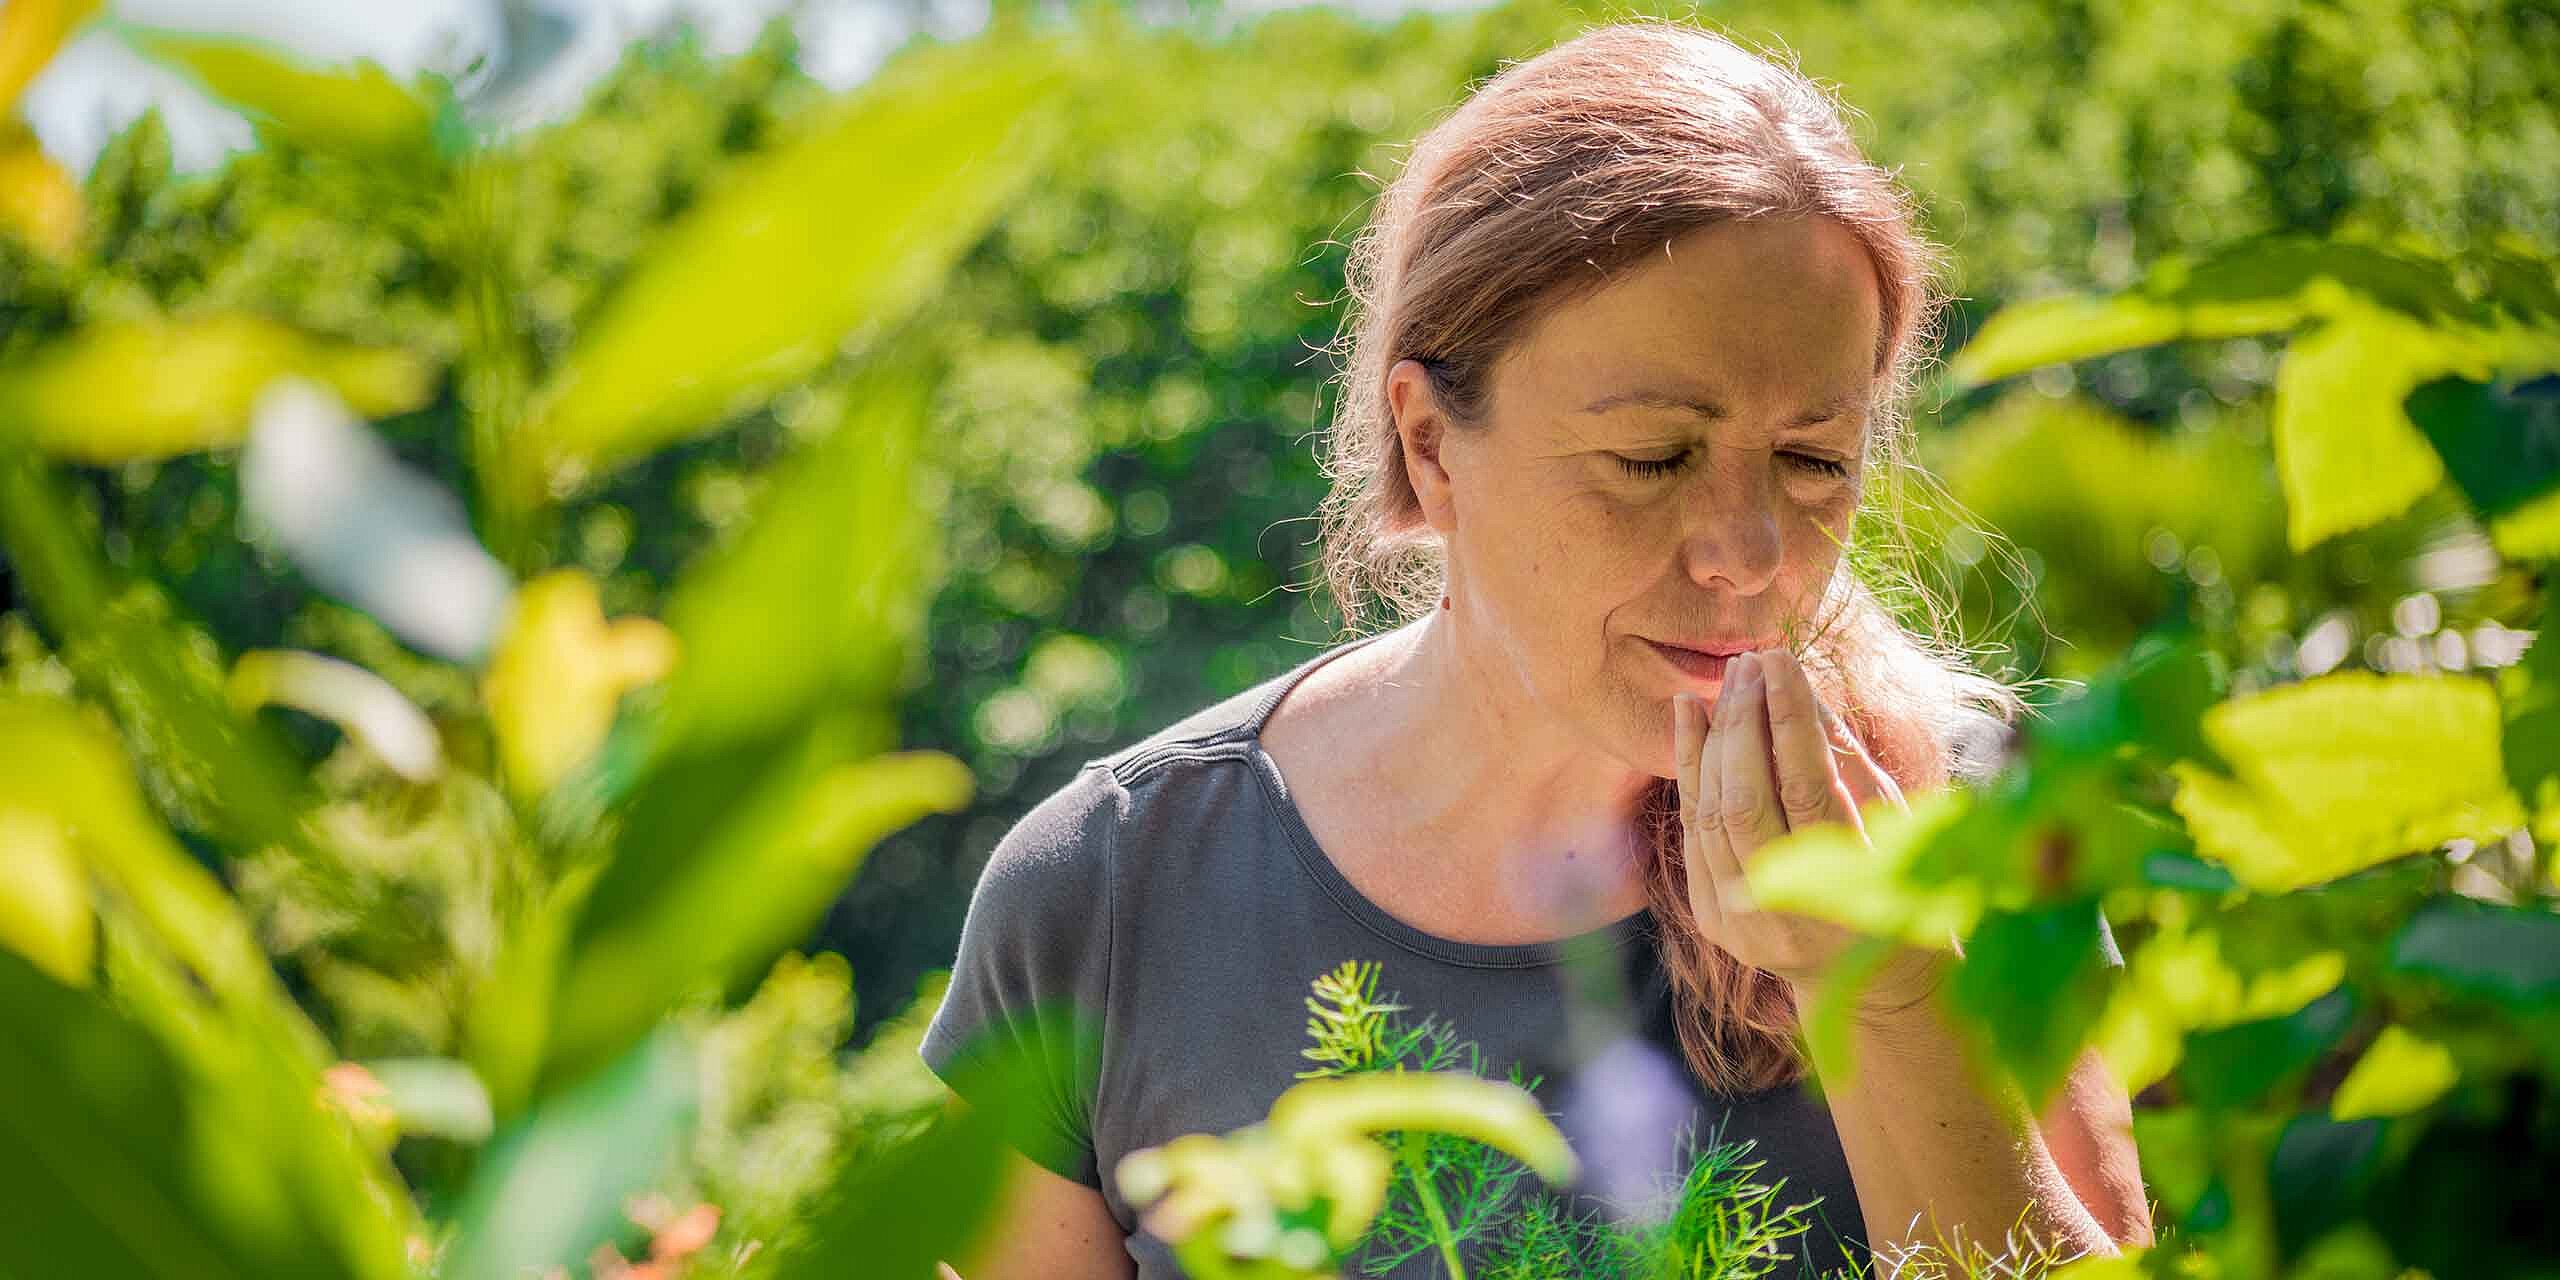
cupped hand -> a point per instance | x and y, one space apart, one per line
1772 759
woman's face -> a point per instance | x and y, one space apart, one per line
1671 461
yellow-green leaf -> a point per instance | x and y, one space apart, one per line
1829 873
2340 773
2346 452
30 33
2402 1072
44 898
845 226
560 673
127 390
358 108
662 927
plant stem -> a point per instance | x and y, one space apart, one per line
1411 1150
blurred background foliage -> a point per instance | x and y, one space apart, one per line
1124 382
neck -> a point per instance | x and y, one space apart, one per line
1537 822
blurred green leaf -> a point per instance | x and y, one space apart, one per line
57 766
44 898
121 391
2235 1066
2400 1072
2336 774
845 226
723 865
553 1185
437 1097
358 109
1830 873
110 1171
2507 955
820 599
2033 984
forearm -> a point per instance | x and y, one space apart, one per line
1934 1154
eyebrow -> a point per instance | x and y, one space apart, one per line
1704 407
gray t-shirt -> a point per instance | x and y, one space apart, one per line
1174 895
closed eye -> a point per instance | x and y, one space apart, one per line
1649 467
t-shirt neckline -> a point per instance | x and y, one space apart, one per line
1375 918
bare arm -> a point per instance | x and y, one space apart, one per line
2089 1128
1049 1228
1933 1156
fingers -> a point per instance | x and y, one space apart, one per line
1689 739
1809 786
1745 795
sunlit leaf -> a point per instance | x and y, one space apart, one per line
2400 1072
123 390
2336 774
2346 452
2259 286
2184 979
358 108
44 898
39 199
552 1186
56 765
1829 873
845 226
560 673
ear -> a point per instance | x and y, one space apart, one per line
1422 427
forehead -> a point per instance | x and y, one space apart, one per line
1764 318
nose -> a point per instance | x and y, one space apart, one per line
1729 523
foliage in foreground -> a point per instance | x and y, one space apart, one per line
409 957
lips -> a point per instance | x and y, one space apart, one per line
1700 664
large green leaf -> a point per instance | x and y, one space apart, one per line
103 1166
123 390
2346 452
727 860
820 599
552 1187
2336 774
2033 984
845 226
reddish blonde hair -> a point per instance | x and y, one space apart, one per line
1551 176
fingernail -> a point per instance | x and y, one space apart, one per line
1746 668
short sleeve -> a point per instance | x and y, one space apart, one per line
1019 1024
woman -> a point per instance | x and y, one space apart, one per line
1632 325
